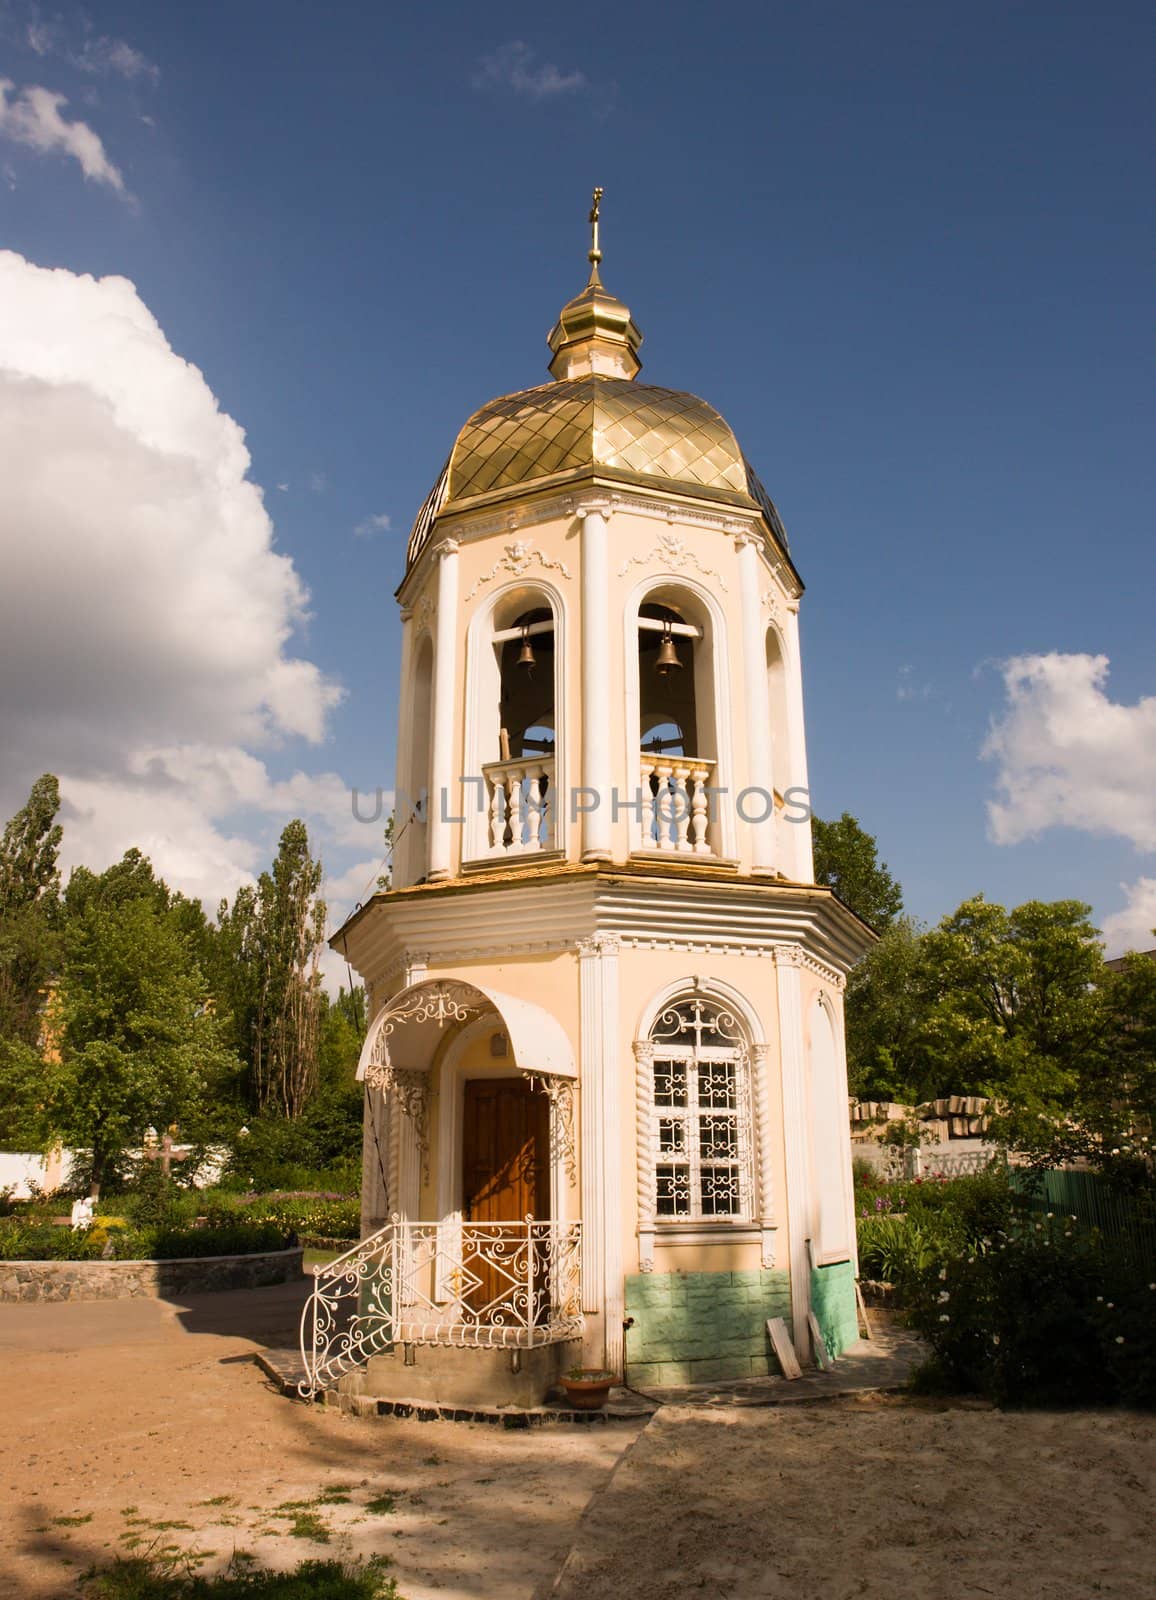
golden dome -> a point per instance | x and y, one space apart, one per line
610 429
594 422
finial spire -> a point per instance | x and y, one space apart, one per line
594 333
594 256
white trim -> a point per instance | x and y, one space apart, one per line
445 697
760 758
593 1151
597 836
796 1137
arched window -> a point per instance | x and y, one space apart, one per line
514 694
701 1123
677 724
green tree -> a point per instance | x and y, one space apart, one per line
29 904
886 1013
847 860
276 933
134 1040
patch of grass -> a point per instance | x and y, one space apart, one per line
163 1527
380 1506
153 1578
217 1500
308 1525
433 1461
71 1522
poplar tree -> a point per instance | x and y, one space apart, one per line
29 904
280 928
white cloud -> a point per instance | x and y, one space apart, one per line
371 525
146 618
1133 928
318 483
103 55
32 117
515 67
96 53
1069 756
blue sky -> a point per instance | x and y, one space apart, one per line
906 250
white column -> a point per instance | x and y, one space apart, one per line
759 763
602 1283
802 867
596 834
796 1136
444 790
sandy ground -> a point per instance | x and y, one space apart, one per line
131 1417
875 1497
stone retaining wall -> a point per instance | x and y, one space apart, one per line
31 1281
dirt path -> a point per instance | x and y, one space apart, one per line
874 1499
134 1416
142 1421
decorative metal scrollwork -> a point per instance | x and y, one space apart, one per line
441 1002
499 1285
699 1021
560 1093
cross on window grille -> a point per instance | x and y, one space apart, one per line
701 1135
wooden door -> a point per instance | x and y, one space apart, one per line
505 1178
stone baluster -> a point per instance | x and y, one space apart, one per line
698 811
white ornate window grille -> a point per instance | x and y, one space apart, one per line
701 1135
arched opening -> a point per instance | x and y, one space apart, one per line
677 724
409 844
526 694
782 755
512 739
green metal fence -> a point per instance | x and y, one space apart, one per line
1127 1223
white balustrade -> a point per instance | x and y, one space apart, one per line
520 802
675 804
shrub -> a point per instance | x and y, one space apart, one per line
1043 1315
20 1241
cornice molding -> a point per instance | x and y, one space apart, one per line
735 522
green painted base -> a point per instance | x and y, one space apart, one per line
833 1302
703 1327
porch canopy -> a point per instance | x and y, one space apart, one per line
406 1033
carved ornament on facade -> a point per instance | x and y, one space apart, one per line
672 550
518 559
599 944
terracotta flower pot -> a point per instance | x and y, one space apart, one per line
587 1389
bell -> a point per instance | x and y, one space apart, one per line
526 657
667 654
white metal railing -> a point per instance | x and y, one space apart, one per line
675 805
485 1285
520 805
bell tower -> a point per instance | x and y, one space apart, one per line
603 898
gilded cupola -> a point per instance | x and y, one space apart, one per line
594 422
